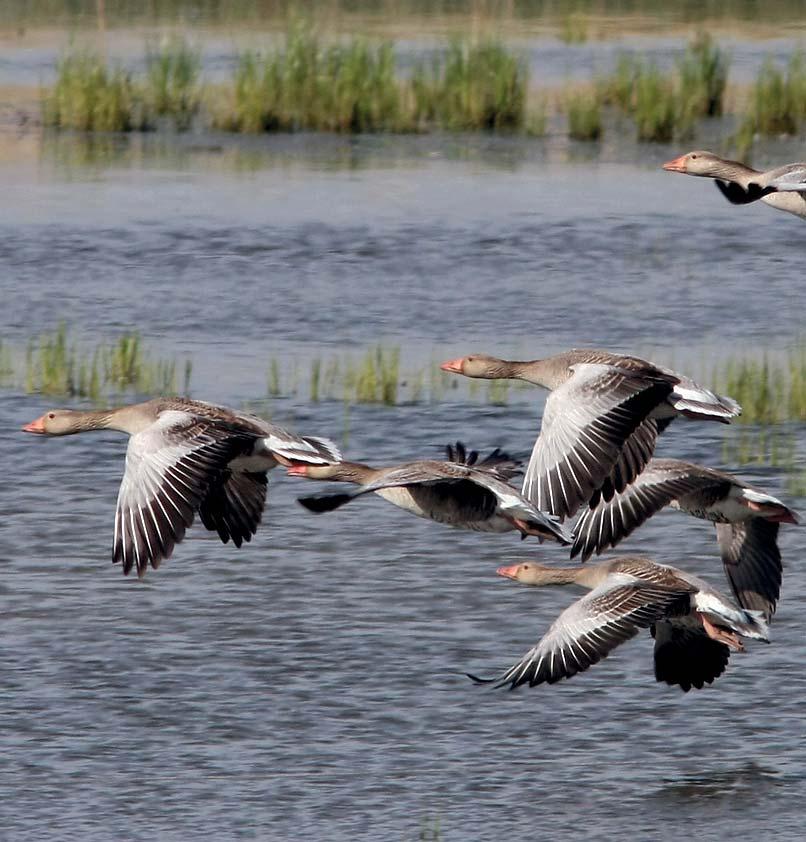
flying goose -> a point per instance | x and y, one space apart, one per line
746 520
695 627
186 456
473 496
601 419
783 188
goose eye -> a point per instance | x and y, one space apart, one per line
51 415
693 157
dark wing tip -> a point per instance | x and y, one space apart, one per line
476 680
319 503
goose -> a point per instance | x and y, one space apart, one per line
782 188
186 456
601 419
461 492
746 520
695 626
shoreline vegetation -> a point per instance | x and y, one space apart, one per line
302 83
771 386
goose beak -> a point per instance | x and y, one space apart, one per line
37 427
676 165
297 470
454 366
510 572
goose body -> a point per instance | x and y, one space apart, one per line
746 518
186 457
454 493
695 626
783 188
601 419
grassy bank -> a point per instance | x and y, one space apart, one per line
304 83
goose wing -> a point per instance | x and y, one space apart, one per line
233 505
752 562
607 522
497 462
590 628
789 178
738 195
686 656
586 422
293 448
169 468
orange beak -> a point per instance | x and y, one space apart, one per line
455 366
676 165
297 470
510 572
37 427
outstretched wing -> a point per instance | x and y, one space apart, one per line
752 563
590 628
293 448
607 522
497 462
169 468
738 195
686 656
233 505
586 422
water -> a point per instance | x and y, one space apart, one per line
310 685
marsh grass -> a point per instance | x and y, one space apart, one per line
659 113
573 29
777 102
54 365
172 88
304 85
771 389
584 116
702 77
90 96
472 86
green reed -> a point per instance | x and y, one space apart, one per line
584 116
777 103
305 85
472 86
771 389
573 29
659 114
54 365
90 96
172 89
703 75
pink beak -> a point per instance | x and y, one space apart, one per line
454 366
37 426
676 165
297 470
510 572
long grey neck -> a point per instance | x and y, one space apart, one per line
588 576
734 171
530 371
352 472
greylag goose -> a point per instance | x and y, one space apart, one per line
694 625
186 456
746 520
473 496
782 188
601 419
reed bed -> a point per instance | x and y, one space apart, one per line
91 96
304 83
771 389
173 89
584 116
472 86
54 365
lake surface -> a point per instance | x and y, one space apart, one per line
311 684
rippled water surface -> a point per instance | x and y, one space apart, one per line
311 684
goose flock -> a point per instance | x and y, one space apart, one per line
593 455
